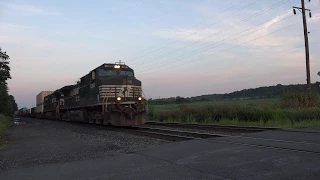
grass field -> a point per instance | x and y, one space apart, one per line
247 102
4 125
262 112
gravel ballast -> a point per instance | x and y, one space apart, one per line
36 142
195 130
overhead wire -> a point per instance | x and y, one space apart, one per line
205 48
226 49
197 30
189 29
221 31
258 57
290 49
235 38
238 46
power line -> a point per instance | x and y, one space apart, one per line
227 49
196 31
242 21
205 48
221 31
290 49
233 39
171 37
259 57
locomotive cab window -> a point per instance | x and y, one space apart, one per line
111 72
93 75
107 73
126 73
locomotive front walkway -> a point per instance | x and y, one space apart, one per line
269 155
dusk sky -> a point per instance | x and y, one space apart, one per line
176 47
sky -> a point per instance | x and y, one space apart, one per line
176 47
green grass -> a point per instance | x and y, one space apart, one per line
263 113
4 125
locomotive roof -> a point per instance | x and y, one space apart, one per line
110 64
68 87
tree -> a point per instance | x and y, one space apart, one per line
7 102
4 67
180 100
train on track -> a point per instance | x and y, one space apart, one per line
109 95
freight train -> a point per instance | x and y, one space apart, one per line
109 95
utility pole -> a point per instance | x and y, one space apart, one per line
306 42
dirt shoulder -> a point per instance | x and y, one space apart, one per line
35 142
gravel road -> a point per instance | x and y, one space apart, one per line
36 142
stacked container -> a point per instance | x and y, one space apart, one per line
40 99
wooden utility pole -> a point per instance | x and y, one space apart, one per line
306 42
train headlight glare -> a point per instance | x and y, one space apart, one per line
139 98
117 66
118 98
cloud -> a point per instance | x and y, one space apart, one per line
30 9
187 34
230 31
131 4
18 26
277 19
99 36
315 19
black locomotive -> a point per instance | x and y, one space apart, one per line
109 94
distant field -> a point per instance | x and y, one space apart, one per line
260 112
246 102
4 124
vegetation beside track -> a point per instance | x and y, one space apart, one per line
4 125
293 110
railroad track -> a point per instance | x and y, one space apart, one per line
182 135
228 128
170 134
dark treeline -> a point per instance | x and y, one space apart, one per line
8 104
253 93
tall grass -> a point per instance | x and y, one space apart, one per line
295 109
300 99
4 124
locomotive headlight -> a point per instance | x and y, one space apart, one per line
117 66
118 98
139 98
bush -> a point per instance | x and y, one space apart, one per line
4 124
242 114
300 99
